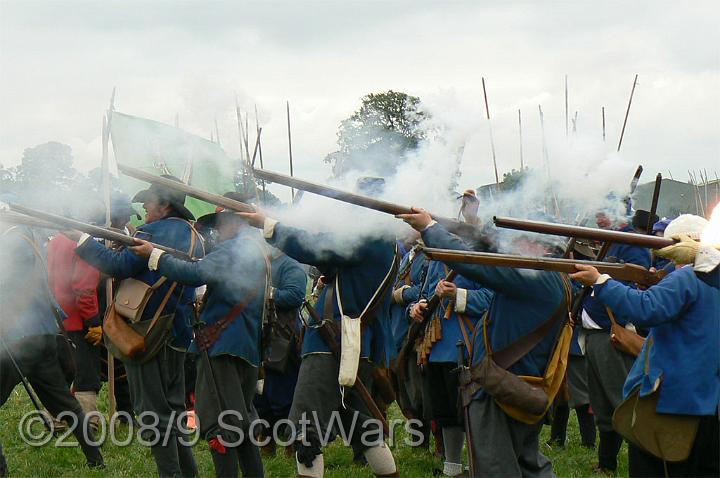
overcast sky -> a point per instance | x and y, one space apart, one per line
60 60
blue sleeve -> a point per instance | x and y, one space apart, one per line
478 301
508 280
292 287
411 294
119 264
657 305
321 250
632 255
195 273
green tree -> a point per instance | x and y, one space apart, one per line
514 179
47 164
378 135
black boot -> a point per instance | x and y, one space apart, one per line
610 443
586 422
558 430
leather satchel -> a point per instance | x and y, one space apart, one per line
625 340
510 391
133 296
666 436
137 342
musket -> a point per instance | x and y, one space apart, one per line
458 227
603 235
417 329
184 188
636 178
64 223
619 271
654 203
328 333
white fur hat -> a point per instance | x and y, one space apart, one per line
687 224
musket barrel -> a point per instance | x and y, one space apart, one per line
461 228
62 222
580 232
184 188
334 193
621 271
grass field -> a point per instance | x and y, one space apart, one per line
136 460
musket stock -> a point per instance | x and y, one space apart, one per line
580 232
620 271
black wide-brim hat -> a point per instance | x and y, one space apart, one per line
175 198
209 221
642 218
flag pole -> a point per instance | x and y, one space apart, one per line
105 169
292 191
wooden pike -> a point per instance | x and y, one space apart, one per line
292 191
627 113
492 142
258 129
603 123
522 165
566 107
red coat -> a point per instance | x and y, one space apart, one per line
73 281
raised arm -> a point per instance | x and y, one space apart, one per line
119 264
657 305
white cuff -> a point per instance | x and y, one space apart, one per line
269 228
707 258
602 279
154 259
84 237
460 300
397 295
431 224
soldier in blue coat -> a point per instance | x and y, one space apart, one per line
680 356
288 292
406 291
235 273
607 367
359 271
157 386
462 306
28 331
523 300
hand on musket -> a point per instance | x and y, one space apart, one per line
417 311
446 289
143 248
587 275
419 219
471 204
255 219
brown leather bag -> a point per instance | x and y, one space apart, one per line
137 342
625 340
525 397
666 436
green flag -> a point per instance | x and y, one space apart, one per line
163 149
